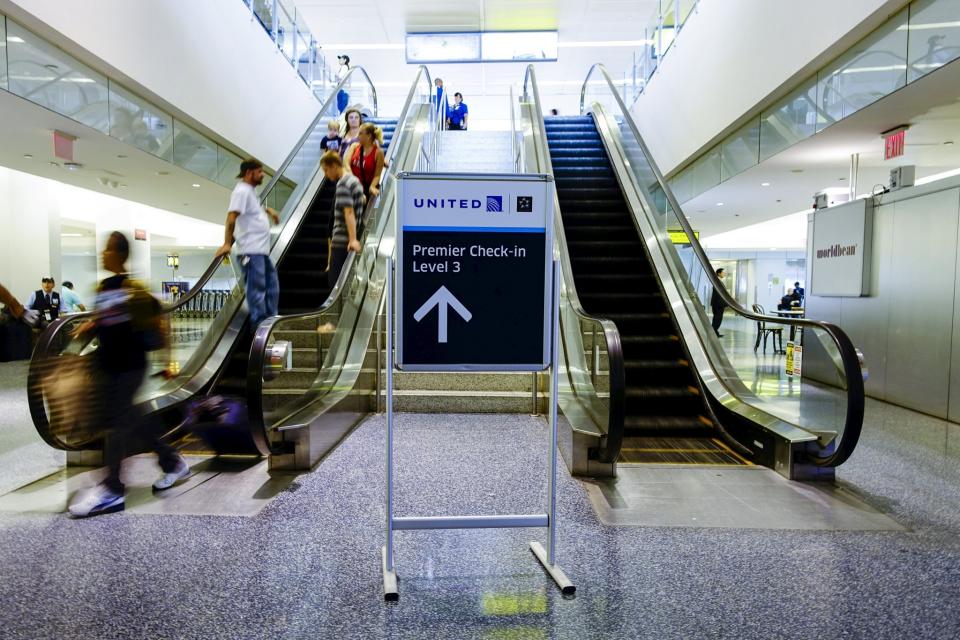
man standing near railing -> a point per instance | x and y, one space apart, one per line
347 212
248 224
717 305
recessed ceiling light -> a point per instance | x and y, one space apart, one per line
28 156
764 184
719 204
16 39
73 166
195 185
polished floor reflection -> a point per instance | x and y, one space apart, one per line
307 564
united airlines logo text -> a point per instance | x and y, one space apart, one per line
494 203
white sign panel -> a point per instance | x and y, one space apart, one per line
842 238
474 272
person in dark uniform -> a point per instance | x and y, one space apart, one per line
799 292
45 301
717 305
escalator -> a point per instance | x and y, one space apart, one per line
644 379
667 418
304 287
218 361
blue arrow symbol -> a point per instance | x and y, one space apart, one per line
442 299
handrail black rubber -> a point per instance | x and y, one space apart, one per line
609 451
849 356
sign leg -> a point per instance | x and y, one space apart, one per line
390 591
547 557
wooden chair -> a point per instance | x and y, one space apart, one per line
763 330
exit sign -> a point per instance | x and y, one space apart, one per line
893 144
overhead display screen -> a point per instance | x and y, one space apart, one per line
485 46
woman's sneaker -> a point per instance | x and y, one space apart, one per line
94 501
167 480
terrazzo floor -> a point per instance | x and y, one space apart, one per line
307 564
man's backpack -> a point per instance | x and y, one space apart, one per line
146 316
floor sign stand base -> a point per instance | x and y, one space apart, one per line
545 554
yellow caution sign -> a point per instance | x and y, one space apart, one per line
794 358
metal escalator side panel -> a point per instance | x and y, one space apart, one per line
588 413
717 374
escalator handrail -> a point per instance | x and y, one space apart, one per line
316 121
610 450
848 353
258 347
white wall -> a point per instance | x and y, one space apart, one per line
207 59
732 55
31 212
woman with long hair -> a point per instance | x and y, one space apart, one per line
351 133
365 159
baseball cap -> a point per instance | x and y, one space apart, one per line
247 165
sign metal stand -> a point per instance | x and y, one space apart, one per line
545 554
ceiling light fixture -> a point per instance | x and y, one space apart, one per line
15 39
719 204
195 185
948 142
28 156
764 184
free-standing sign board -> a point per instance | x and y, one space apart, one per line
477 289
474 272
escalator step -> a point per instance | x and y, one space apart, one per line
666 423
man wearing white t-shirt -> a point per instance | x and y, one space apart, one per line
248 224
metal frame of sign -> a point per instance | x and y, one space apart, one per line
545 554
403 179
